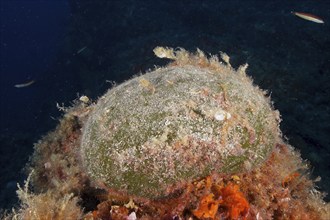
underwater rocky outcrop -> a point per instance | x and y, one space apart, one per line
192 140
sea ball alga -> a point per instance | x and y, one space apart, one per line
192 118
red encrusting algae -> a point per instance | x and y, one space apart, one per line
230 203
234 201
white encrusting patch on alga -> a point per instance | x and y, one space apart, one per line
221 115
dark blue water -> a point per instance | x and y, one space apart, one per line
32 34
73 47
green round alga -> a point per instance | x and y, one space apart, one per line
178 123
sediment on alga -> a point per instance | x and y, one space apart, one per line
192 140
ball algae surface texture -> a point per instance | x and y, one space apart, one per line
176 124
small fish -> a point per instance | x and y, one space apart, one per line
81 49
308 17
24 84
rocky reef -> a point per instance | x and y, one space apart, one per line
192 140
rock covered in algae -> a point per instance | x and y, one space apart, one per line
185 121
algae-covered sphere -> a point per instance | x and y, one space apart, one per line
176 124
